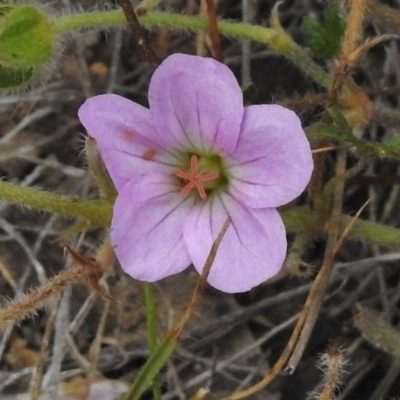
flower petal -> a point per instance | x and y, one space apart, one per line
147 228
272 163
127 140
252 250
196 104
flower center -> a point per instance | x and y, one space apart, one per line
203 175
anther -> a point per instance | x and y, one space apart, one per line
195 178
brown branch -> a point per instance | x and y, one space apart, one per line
176 333
302 331
374 180
214 33
138 32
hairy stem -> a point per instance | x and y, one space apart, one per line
276 38
97 212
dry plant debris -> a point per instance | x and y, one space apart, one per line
90 336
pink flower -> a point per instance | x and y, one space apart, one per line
196 157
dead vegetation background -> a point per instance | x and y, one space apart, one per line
80 337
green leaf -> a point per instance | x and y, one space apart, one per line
324 39
26 37
366 147
151 368
13 77
340 131
339 120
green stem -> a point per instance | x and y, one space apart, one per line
97 19
276 38
151 322
97 212
301 220
156 361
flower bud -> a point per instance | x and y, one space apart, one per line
103 180
13 77
27 37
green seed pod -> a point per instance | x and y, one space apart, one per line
27 37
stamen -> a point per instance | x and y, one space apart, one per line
195 178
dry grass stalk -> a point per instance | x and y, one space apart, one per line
331 363
87 270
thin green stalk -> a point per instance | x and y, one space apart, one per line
298 56
276 38
151 322
97 212
96 19
156 361
101 19
301 220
